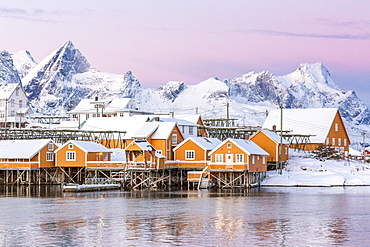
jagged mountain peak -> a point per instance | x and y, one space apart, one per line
23 61
8 72
171 89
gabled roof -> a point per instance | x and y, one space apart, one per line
7 89
203 142
193 118
22 149
87 146
117 105
310 121
143 145
86 106
272 135
145 130
164 130
247 146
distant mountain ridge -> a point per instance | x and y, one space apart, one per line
62 79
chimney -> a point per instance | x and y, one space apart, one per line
172 114
96 98
156 119
246 137
274 127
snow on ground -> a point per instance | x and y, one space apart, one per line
305 171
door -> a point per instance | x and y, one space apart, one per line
229 161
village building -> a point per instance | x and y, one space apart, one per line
193 153
270 142
188 129
320 125
82 154
14 108
238 155
27 154
141 154
87 108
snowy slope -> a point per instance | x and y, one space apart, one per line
24 62
8 72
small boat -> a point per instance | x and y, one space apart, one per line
89 187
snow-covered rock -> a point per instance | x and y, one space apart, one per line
23 62
8 72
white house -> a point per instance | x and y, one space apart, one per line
14 107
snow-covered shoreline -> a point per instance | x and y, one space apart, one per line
303 171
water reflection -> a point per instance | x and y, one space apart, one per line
43 215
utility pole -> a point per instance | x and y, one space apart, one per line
281 139
227 113
363 146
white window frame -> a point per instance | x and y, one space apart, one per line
344 142
263 160
239 158
158 152
174 138
339 142
191 132
253 161
333 141
70 146
229 145
218 158
336 127
327 141
50 147
189 154
49 156
12 103
70 156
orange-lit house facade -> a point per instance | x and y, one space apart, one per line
238 155
322 125
82 154
270 142
193 152
27 154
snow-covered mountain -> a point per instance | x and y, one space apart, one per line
23 62
8 72
62 79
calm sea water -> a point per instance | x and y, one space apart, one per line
44 216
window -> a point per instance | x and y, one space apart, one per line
344 142
51 147
239 158
252 159
183 129
189 154
20 103
105 158
70 155
190 130
121 114
17 92
158 151
218 158
263 160
333 141
339 142
12 103
12 113
327 141
286 150
229 145
2 114
49 156
70 146
174 138
2 103
336 127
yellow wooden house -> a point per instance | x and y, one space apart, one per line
82 154
238 155
27 154
321 125
270 142
193 153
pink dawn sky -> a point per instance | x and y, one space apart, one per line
191 41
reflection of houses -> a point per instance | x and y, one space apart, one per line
324 125
13 105
270 141
238 155
27 154
193 152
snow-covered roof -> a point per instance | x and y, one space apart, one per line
164 130
117 105
247 146
145 130
143 145
21 149
203 142
273 136
88 146
193 118
310 121
7 89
